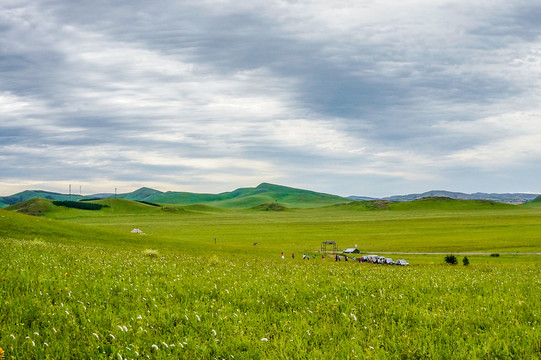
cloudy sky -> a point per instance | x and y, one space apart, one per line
365 97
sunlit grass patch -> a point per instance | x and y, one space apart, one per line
151 253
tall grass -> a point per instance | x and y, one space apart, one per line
73 301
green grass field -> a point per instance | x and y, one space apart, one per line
77 284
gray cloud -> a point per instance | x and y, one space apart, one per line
358 98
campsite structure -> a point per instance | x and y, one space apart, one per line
324 247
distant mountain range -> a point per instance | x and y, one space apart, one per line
262 194
508 198
241 198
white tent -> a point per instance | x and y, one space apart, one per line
137 231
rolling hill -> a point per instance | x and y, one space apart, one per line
32 194
264 193
241 198
20 226
428 203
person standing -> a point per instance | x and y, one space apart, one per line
283 256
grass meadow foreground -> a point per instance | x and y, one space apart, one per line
69 301
85 288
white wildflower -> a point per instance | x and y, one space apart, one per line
96 335
155 346
264 339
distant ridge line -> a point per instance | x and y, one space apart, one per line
507 198
264 193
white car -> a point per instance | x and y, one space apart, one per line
402 262
389 261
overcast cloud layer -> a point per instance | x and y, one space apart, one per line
347 97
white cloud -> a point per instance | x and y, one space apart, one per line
227 92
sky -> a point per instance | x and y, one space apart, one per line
367 97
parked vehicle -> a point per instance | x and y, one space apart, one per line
402 262
370 258
389 261
382 260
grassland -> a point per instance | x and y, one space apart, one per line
78 284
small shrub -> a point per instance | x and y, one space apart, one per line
465 261
451 260
495 255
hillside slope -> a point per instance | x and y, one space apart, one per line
241 198
428 203
32 194
15 225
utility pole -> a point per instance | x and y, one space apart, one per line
70 193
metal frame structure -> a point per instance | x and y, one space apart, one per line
324 246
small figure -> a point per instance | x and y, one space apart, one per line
293 256
283 256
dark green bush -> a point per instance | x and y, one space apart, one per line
79 205
465 261
451 260
148 203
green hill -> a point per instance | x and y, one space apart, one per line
536 200
32 194
428 203
250 197
46 207
444 203
15 225
35 207
142 194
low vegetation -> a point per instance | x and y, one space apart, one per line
76 301
79 205
78 284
